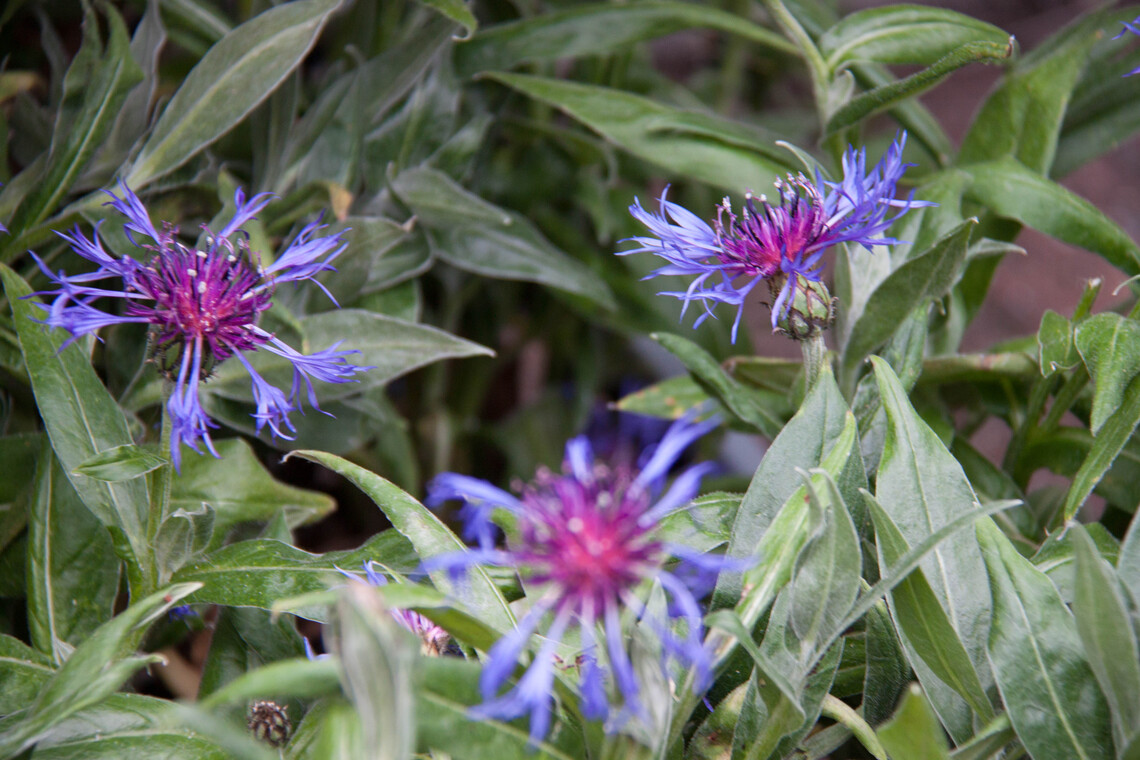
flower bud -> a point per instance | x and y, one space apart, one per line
812 309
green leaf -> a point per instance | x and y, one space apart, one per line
259 572
390 346
82 420
826 578
73 573
887 671
479 237
239 489
597 28
331 728
376 659
1104 111
125 725
903 34
18 453
1022 118
457 11
121 463
380 254
1012 190
1055 349
94 89
1045 681
927 276
23 672
922 488
913 733
796 523
723 153
1105 627
822 424
923 621
1105 449
95 669
234 76
1110 347
279 680
671 398
429 536
711 377
892 94
244 639
447 688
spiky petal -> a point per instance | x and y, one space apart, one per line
588 540
203 307
780 241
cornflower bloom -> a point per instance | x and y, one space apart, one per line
1130 27
203 307
781 242
585 541
433 638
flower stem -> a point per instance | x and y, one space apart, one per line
815 356
817 67
840 712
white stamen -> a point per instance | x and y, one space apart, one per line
202 287
192 272
575 524
202 254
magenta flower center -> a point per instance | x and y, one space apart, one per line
765 235
586 537
210 297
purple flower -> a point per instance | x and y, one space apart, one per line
203 307
776 241
1132 27
585 542
433 638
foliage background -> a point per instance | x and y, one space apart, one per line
485 169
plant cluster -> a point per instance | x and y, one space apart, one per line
288 277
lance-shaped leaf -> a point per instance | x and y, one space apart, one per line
238 488
1105 449
826 578
94 670
923 621
891 94
902 34
928 276
479 237
1049 691
913 733
598 28
1022 117
429 536
234 76
1105 628
446 690
1010 189
73 573
1110 347
81 418
259 572
923 488
718 151
94 89
817 429
741 400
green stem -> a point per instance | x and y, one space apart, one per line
817 67
160 483
815 356
840 712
